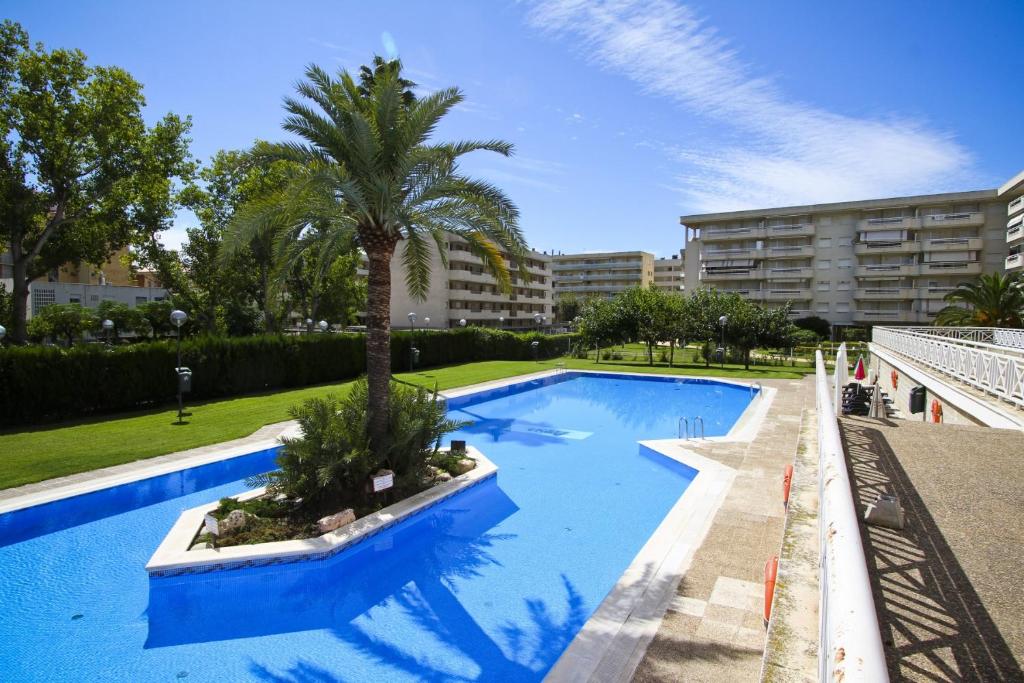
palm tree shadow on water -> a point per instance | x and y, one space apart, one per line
412 571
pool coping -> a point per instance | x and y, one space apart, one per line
173 557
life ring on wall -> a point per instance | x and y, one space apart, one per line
771 572
936 411
895 377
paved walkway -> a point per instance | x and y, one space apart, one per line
948 587
713 630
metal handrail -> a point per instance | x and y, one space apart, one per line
701 421
679 432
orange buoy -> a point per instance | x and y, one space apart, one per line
895 377
771 571
936 411
787 481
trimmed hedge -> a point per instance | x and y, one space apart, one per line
49 383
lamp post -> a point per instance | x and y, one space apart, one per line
178 317
3 332
108 326
323 325
462 322
537 318
721 322
426 321
309 325
412 341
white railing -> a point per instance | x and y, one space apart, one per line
850 646
982 357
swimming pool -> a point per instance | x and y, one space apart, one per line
491 584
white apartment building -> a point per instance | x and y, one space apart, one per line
668 273
465 290
602 274
852 263
1013 193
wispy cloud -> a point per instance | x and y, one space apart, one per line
542 174
792 151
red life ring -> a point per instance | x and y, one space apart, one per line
895 377
787 481
936 411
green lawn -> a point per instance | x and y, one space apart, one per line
57 450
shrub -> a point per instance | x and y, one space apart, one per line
329 467
45 383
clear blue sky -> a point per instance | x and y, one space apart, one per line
624 116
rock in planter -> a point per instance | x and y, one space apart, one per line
463 465
338 519
236 519
200 545
436 475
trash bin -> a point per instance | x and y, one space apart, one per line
184 380
918 398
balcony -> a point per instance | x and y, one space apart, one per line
951 268
934 292
952 220
467 295
886 247
1014 261
887 316
719 276
794 273
954 244
884 293
469 276
794 230
1015 233
635 264
796 294
1015 207
795 251
722 234
889 270
893 223
732 254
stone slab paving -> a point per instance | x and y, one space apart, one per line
713 630
948 587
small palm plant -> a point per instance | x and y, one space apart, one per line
366 175
995 300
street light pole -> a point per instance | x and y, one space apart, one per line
108 326
178 317
412 341
722 321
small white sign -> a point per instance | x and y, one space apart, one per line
212 526
383 481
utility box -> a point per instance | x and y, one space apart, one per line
184 380
918 398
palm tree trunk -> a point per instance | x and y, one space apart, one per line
378 341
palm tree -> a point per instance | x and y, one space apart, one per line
991 301
367 176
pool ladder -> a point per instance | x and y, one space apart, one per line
683 427
755 385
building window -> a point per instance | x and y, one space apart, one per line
824 285
845 263
842 307
824 242
844 286
845 242
825 264
823 307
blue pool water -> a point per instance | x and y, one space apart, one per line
491 584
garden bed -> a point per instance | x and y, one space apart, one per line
176 555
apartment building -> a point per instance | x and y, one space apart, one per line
668 273
87 285
853 263
1013 193
601 273
465 290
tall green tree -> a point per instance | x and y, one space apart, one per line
994 300
81 174
600 324
62 321
646 316
370 175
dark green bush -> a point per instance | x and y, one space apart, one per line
47 383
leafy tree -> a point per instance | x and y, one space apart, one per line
81 175
67 321
750 326
569 307
645 315
703 308
158 317
124 317
818 325
6 306
600 324
995 300
368 175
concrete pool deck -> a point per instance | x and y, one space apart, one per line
713 630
